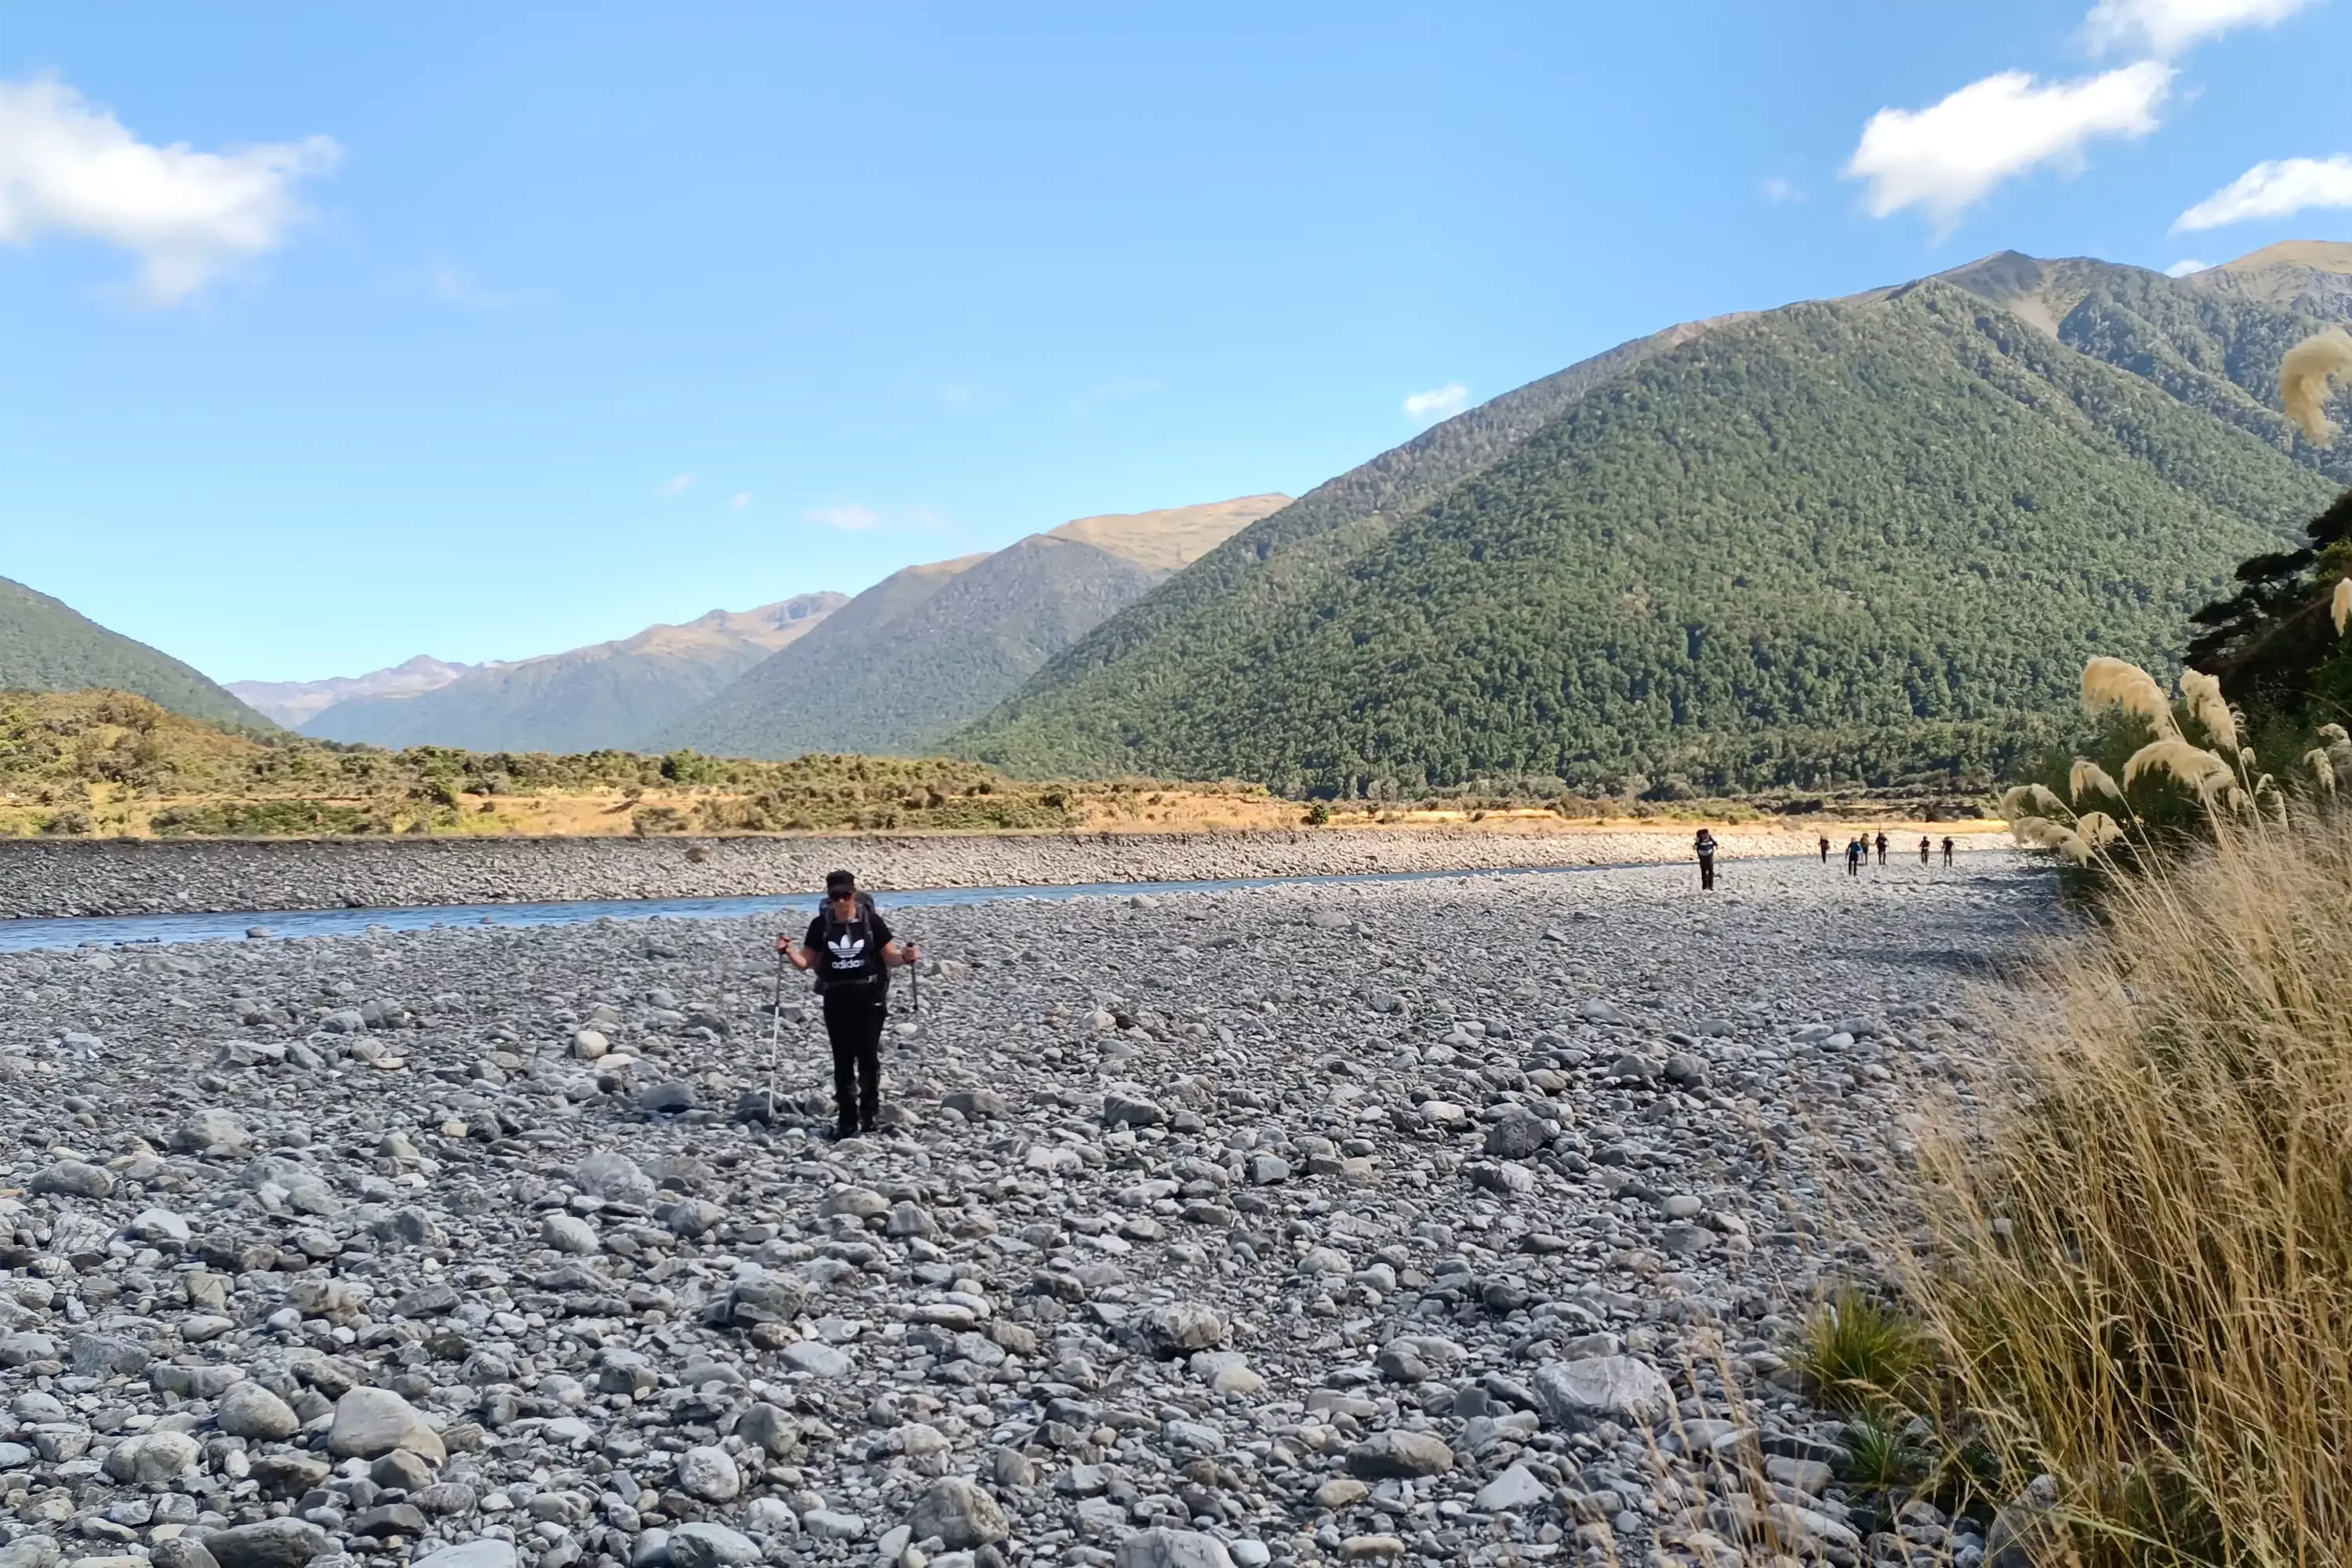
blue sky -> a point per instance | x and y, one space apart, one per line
334 334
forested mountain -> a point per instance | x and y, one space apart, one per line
609 695
45 645
294 703
928 649
1871 537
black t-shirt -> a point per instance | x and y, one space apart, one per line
849 954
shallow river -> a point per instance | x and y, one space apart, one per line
112 930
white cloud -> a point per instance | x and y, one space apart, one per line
2279 188
1949 156
849 518
678 485
1438 403
2168 27
2184 266
67 166
742 500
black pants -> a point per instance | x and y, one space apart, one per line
853 1020
1705 873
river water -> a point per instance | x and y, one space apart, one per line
114 930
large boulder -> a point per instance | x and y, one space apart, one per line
1163 1548
250 1411
1399 1456
488 1552
267 1543
151 1459
1180 1328
373 1421
1579 1394
961 1514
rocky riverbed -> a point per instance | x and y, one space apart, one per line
1460 1221
45 878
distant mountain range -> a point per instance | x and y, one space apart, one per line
929 649
1875 536
294 703
45 645
916 655
612 695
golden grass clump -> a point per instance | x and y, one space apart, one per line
2136 1258
2119 683
2304 377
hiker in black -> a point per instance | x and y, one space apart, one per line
1703 847
1882 849
1825 848
850 948
1923 850
1948 853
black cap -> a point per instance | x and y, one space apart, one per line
840 884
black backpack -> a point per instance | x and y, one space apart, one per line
871 971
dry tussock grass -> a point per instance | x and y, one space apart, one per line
2137 1256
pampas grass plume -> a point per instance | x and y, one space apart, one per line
2087 774
2321 768
2097 829
2119 683
2202 692
2037 832
2303 376
2194 766
2341 606
2031 800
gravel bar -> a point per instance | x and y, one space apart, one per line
1460 1221
51 879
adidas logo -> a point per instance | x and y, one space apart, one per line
847 951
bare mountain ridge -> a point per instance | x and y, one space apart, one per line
294 703
610 695
930 647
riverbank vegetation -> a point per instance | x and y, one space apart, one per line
103 763
2128 1271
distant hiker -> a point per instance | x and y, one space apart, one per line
1825 848
1923 850
1882 849
1704 846
1947 854
1854 855
850 947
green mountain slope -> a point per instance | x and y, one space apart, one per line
47 646
1879 535
608 696
928 650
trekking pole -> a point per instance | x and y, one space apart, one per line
776 1032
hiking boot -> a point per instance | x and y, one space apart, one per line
846 1130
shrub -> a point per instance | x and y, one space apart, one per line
657 819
